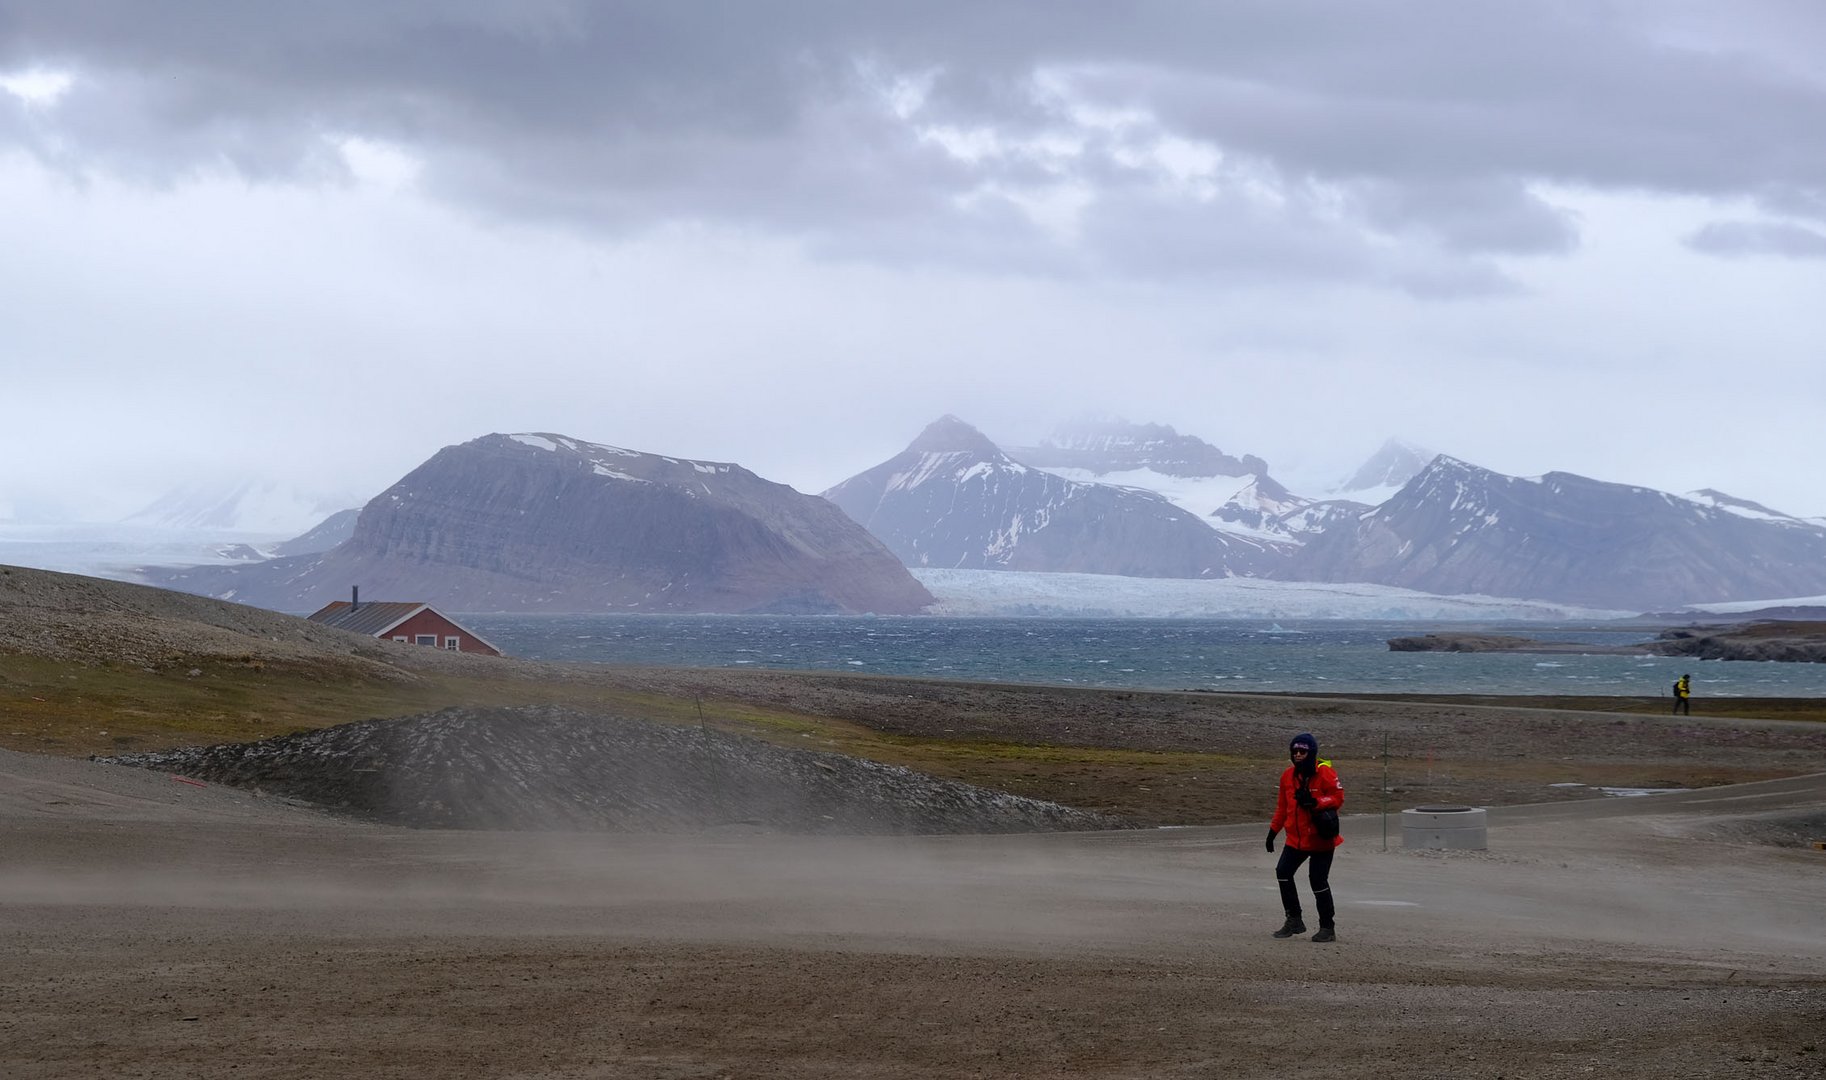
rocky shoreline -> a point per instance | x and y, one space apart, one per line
1777 640
1477 643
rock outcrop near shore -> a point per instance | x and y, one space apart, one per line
1468 643
549 768
1803 642
1800 642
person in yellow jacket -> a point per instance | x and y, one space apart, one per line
1683 695
1307 806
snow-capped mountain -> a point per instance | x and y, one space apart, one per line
1747 509
1105 446
1260 508
1459 529
1234 495
543 522
1385 472
1314 517
954 499
246 505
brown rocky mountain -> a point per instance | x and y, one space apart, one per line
542 522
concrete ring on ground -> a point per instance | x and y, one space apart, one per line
1462 828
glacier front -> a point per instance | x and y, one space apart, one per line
966 593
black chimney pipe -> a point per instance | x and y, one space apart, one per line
354 597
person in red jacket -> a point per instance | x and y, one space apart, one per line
1309 788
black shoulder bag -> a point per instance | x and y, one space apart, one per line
1324 822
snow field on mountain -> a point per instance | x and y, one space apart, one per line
1198 495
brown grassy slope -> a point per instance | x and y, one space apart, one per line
90 666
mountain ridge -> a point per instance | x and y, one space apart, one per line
545 522
1459 528
954 499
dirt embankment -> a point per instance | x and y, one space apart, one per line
84 620
546 768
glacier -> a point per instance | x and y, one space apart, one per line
1006 593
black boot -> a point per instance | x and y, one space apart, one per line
1325 934
1293 927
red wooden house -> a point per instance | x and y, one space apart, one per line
410 622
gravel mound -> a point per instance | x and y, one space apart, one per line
552 768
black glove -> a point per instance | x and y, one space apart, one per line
1305 798
1271 841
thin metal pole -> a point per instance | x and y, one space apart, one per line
1385 791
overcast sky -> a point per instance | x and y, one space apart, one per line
317 242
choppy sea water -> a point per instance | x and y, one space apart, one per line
1159 654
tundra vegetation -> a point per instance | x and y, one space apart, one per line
91 667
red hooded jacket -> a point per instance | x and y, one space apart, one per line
1326 788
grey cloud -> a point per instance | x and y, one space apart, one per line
1495 216
1789 201
1738 238
1432 120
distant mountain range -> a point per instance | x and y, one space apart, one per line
247 505
1457 529
953 499
1233 494
545 522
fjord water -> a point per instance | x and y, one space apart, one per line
1156 654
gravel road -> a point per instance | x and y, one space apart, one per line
157 928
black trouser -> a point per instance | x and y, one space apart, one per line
1683 705
1319 875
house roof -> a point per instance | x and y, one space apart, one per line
371 618
376 618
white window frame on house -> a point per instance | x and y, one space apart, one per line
402 639
453 643
426 639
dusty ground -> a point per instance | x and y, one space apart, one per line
154 928
1198 758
